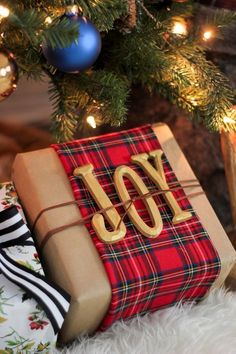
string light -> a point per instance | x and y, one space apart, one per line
4 11
48 20
229 120
91 121
194 101
207 35
179 27
72 9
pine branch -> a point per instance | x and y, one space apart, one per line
103 13
142 62
61 33
28 22
208 97
101 94
218 96
220 18
150 55
112 91
64 118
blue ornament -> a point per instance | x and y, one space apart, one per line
78 56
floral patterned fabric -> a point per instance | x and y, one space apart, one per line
24 326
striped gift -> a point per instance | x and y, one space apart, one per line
38 306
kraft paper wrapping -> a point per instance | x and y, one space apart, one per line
70 256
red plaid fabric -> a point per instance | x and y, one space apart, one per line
145 274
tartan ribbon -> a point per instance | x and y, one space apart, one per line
54 301
145 274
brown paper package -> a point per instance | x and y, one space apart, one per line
70 257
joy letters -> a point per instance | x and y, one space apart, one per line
156 174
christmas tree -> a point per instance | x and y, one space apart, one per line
94 51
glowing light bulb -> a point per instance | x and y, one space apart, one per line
72 9
207 35
230 117
194 101
91 121
229 120
48 20
179 27
4 11
3 72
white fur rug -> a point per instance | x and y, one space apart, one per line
206 328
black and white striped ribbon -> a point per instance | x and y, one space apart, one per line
12 228
53 299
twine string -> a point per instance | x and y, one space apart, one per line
124 215
172 187
76 202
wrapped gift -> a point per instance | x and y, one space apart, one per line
27 322
163 249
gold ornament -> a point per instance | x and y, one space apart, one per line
8 74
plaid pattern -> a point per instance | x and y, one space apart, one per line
145 274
